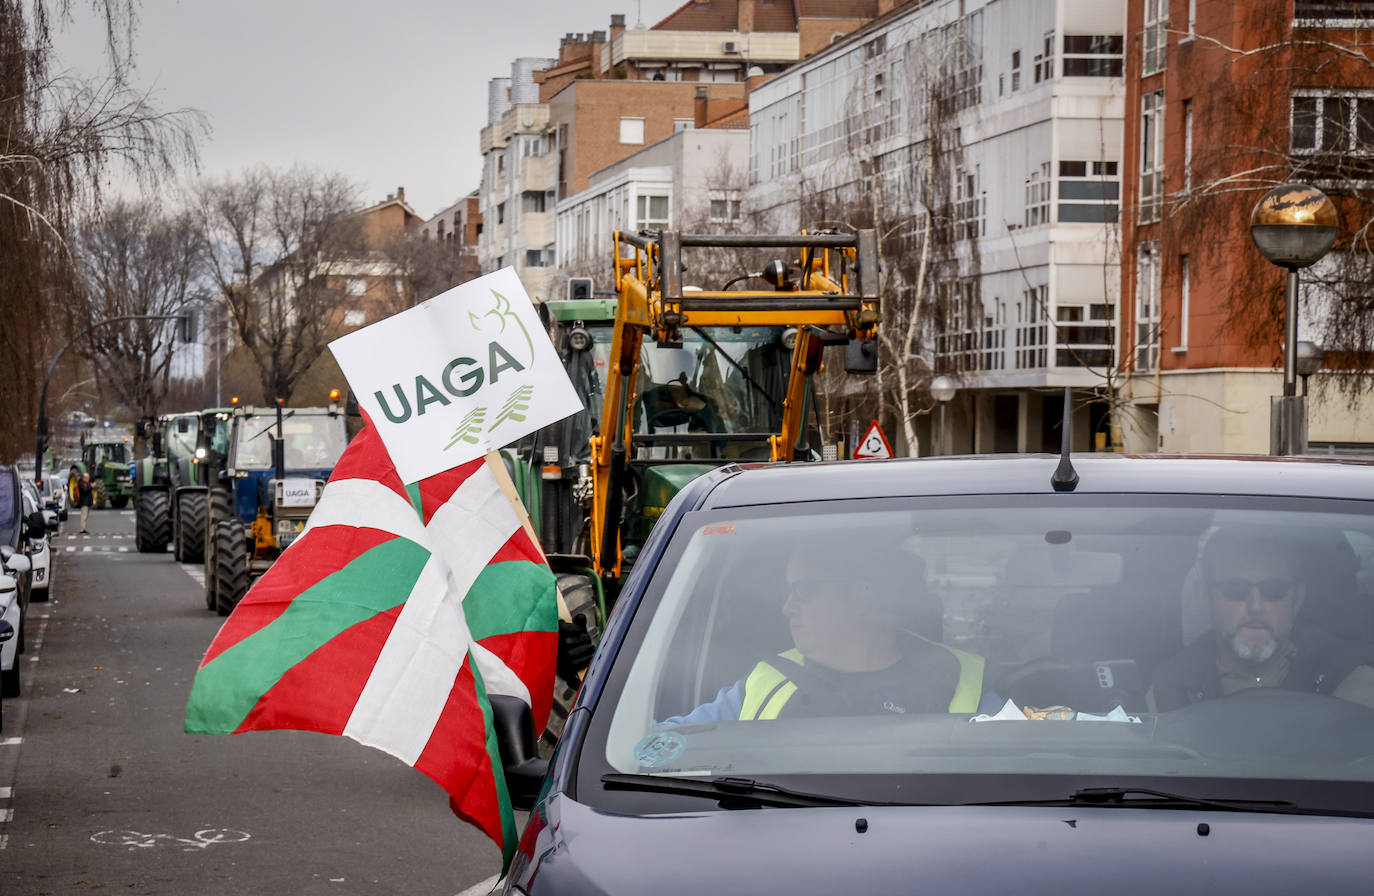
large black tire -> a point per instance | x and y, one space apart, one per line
9 680
98 500
219 506
151 525
118 502
189 538
231 565
579 596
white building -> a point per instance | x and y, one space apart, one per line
693 180
1037 99
519 179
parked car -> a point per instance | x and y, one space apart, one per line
10 622
39 549
982 675
17 532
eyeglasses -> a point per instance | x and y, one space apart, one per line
1271 590
808 590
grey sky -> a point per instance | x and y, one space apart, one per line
388 93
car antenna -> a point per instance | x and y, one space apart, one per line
1065 478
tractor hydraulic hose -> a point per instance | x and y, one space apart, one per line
615 505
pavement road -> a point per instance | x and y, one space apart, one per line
100 789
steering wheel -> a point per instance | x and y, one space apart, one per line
1274 723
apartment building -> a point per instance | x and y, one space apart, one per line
692 180
1225 101
458 228
609 94
983 139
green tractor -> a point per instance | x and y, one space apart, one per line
107 462
173 481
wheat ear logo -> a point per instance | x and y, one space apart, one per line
469 428
515 406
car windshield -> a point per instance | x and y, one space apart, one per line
1104 638
312 441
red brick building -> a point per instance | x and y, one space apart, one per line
1224 101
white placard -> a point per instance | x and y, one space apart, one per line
450 379
297 492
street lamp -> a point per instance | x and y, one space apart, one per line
1310 359
942 390
1293 226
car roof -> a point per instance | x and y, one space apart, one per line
1001 474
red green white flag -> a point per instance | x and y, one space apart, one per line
389 621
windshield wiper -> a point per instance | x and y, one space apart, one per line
1142 797
732 793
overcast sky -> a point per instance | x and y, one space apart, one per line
388 93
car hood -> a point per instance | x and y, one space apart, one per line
571 848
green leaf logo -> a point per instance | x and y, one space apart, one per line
515 406
468 428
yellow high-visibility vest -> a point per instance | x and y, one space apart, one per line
767 689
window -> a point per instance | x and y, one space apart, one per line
970 205
1089 192
1044 61
357 286
501 213
1093 56
1343 13
1334 123
683 124
1015 71
1187 146
534 258
1147 307
1155 37
653 212
354 318
532 146
1151 155
532 201
1038 196
631 130
1185 288
724 210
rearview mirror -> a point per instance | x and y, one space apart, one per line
514 727
19 563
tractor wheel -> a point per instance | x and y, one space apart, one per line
150 521
219 506
98 501
118 502
579 596
231 565
74 489
190 527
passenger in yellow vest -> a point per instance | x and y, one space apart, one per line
853 654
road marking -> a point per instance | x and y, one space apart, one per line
195 571
6 792
6 815
482 888
198 840
11 741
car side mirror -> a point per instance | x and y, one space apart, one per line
514 727
18 563
36 524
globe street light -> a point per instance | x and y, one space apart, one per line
942 389
1293 226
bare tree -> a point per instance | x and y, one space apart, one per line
136 259
58 138
280 247
424 267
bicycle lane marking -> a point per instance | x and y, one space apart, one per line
199 840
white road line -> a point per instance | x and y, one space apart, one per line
4 840
6 792
6 815
195 571
483 888
11 741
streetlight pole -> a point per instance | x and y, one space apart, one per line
1293 226
43 393
942 390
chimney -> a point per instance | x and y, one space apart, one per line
700 105
745 21
401 193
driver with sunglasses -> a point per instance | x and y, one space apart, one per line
1253 581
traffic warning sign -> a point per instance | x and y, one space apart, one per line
873 444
